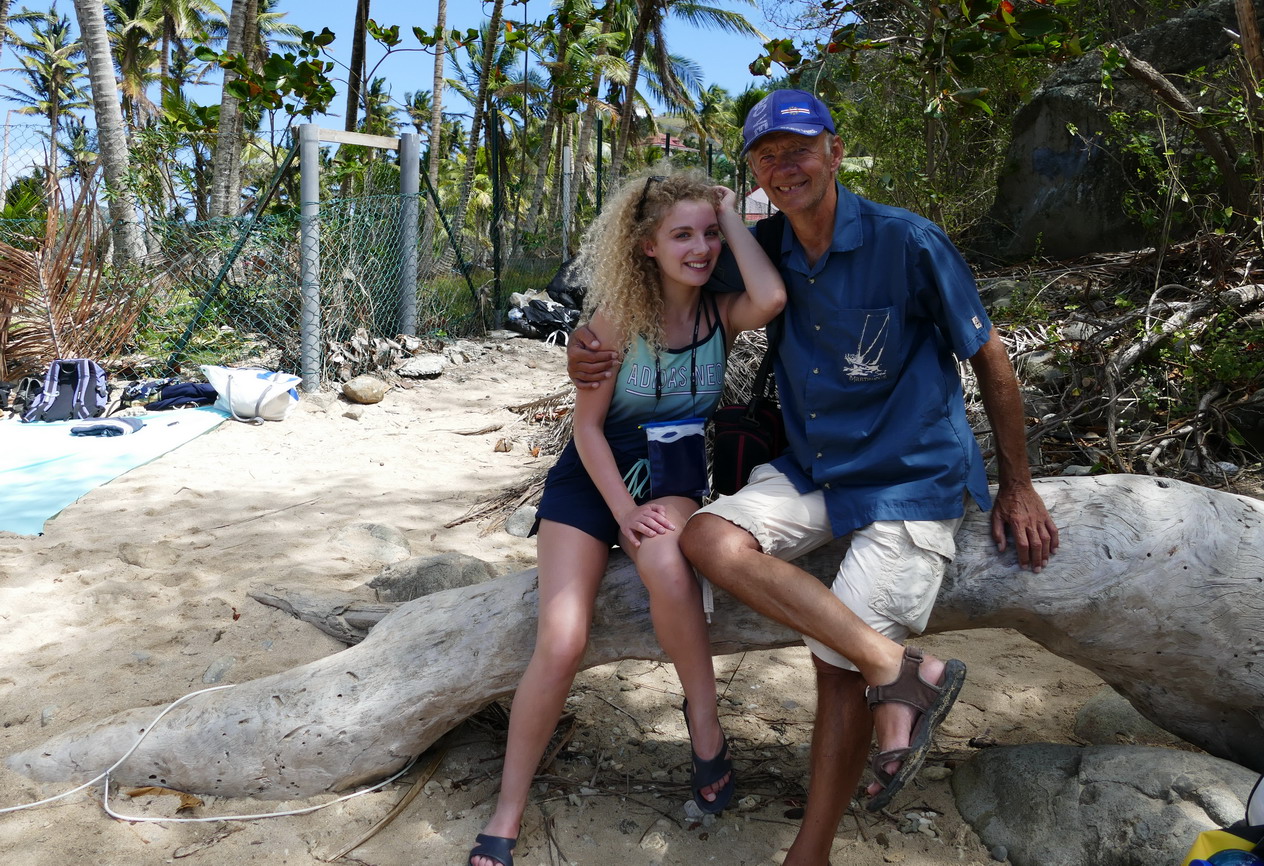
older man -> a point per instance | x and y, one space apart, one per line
880 308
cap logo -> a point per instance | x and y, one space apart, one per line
796 109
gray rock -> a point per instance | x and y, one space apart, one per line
462 352
373 542
422 366
1107 719
1247 418
355 413
1079 331
218 668
1054 805
1040 368
1062 194
365 389
322 400
520 522
48 714
404 581
997 293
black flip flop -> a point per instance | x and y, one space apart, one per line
497 848
708 771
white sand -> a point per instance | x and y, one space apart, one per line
139 589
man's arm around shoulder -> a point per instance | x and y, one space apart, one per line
587 363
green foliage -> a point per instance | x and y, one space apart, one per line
1177 188
295 81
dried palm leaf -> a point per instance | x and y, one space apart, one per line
54 302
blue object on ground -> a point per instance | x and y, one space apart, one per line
43 468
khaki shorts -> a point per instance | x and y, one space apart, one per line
890 574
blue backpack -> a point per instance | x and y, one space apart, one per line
73 389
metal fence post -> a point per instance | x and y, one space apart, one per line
566 204
409 189
309 251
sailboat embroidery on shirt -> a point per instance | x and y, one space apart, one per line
865 364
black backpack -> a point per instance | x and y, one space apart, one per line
74 389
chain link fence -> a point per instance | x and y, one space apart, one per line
228 291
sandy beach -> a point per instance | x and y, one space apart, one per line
138 594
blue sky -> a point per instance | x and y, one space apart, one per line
724 58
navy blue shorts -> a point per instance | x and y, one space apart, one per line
571 497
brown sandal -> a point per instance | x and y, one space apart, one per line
932 703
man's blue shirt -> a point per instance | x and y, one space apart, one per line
867 368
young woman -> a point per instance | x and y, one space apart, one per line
646 259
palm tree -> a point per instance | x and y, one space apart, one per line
490 36
254 25
418 109
178 21
111 137
133 36
355 75
4 21
648 36
225 167
51 61
436 125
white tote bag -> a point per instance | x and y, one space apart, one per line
252 394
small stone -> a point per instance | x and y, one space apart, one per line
1077 471
1000 853
520 523
935 773
422 367
749 802
47 714
654 842
503 446
365 389
355 413
789 705
218 668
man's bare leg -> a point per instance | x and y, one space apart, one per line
840 744
731 558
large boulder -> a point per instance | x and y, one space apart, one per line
1061 189
1055 805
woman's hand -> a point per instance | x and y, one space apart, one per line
645 521
728 199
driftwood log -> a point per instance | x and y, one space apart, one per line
1158 588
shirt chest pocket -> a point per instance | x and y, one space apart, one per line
862 345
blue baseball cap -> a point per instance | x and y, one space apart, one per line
786 111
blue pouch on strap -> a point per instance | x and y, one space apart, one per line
678 458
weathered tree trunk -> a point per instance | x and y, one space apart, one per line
1156 588
129 247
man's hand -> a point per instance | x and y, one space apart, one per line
1021 509
587 363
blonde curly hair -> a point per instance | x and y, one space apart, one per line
624 283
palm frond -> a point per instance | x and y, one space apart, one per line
54 302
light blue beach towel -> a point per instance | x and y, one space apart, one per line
43 468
